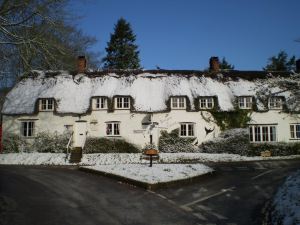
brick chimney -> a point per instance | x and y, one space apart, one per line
214 64
81 64
298 66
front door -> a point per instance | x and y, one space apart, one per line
80 132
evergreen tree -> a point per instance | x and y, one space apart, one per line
281 62
122 52
224 65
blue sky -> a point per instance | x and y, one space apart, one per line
184 34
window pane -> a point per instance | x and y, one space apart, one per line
257 133
50 104
292 131
190 130
116 129
126 102
181 102
44 104
265 134
241 102
203 103
102 101
183 130
24 128
272 133
248 102
97 103
109 129
174 103
251 133
119 102
209 103
30 129
297 131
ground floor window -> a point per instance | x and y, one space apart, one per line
295 131
262 133
113 129
27 128
187 130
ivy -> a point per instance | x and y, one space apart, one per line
232 119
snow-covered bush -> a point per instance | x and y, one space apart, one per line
13 143
47 142
105 145
235 141
285 207
171 142
276 149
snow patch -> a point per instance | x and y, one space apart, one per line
159 173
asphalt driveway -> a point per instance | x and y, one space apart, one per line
49 195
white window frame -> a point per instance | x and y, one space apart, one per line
112 129
206 103
99 103
187 129
122 103
263 133
46 104
178 103
245 102
28 129
275 102
295 131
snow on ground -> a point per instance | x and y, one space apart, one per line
34 159
159 173
287 202
125 158
134 158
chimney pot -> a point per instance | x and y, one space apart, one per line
214 64
298 66
81 64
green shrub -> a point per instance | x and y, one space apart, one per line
53 143
236 141
13 143
276 149
233 141
105 145
171 142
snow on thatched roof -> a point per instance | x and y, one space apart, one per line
150 91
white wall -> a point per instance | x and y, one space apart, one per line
282 121
131 128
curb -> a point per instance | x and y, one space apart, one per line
148 186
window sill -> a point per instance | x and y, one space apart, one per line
294 139
187 136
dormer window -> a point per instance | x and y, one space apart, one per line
275 102
245 102
178 103
206 103
46 104
99 103
122 103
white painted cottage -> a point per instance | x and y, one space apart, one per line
138 105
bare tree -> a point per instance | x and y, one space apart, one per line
37 34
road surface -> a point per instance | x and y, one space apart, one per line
55 195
